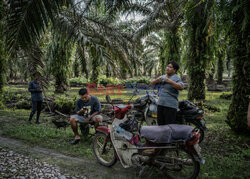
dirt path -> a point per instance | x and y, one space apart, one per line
70 165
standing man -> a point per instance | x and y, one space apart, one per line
36 97
168 98
87 108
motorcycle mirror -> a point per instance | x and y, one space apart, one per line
108 99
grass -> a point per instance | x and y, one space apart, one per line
227 154
45 134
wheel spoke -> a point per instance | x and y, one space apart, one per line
181 164
104 150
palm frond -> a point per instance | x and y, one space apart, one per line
27 20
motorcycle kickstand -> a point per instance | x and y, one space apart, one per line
141 171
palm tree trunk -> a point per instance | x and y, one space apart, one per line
228 63
123 70
60 64
95 65
83 60
237 114
2 52
197 52
2 67
162 60
172 45
76 68
220 69
108 73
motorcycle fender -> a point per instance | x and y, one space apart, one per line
203 123
103 129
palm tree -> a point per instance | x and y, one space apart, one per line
157 16
28 20
83 58
197 16
103 39
237 114
154 44
60 54
2 50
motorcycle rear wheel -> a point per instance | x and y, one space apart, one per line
104 150
181 164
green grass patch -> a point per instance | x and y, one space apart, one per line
46 135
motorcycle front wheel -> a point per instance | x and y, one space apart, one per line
104 150
181 164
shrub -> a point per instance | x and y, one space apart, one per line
65 106
144 80
78 81
108 81
137 80
226 96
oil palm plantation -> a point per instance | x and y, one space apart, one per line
27 22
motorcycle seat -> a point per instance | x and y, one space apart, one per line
167 133
189 112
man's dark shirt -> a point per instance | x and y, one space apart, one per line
93 104
35 95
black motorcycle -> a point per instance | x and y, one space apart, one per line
188 113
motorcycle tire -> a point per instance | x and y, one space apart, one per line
202 135
107 155
185 162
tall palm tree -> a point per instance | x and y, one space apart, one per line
2 49
83 59
159 15
237 114
197 15
154 44
26 22
60 54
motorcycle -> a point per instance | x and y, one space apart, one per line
188 113
176 156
